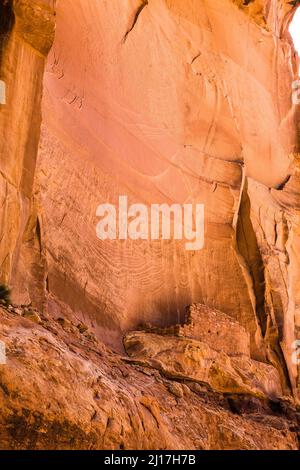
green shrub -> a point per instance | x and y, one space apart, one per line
5 294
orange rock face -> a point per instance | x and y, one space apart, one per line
165 102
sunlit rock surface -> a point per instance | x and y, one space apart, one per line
119 404
164 101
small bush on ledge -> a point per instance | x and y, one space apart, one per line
4 294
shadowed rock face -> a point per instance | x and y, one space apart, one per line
164 101
165 105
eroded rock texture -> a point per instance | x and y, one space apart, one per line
120 403
165 101
27 32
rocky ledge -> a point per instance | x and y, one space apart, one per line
63 389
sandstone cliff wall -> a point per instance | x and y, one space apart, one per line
165 101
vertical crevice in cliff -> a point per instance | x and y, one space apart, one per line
7 19
293 27
249 250
265 303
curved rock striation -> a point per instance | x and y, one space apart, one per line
162 101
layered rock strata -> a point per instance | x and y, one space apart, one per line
164 101
119 403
